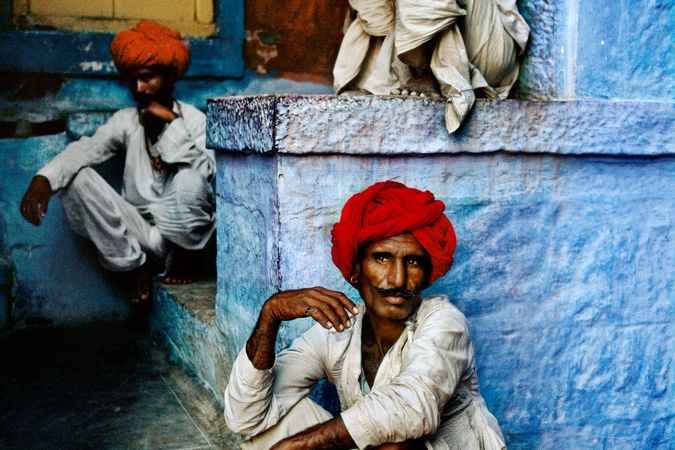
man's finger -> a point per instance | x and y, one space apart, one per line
327 310
319 316
336 307
342 298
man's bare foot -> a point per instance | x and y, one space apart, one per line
184 268
422 86
142 282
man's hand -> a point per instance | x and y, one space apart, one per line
154 118
36 200
323 305
160 111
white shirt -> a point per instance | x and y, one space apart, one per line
182 142
426 384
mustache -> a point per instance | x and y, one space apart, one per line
399 292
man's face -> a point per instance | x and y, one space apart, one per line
391 274
150 84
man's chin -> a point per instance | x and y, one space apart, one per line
393 309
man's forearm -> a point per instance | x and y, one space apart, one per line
260 346
331 435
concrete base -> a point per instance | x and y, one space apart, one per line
184 315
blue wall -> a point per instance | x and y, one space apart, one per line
565 236
566 232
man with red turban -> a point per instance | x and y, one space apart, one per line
166 207
403 366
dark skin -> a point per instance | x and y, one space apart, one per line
152 89
397 263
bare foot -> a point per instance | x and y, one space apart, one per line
184 268
142 282
422 86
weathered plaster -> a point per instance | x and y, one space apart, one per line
56 275
626 50
563 261
330 124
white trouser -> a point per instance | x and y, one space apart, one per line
122 235
302 416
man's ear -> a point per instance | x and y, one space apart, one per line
354 278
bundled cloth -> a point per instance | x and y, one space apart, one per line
150 44
477 44
387 209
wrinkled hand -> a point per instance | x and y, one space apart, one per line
323 305
36 200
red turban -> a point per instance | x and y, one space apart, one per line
150 44
387 209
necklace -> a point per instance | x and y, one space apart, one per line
156 161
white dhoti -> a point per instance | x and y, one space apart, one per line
125 234
303 415
476 47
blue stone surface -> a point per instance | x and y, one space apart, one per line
562 267
397 126
56 275
626 49
544 66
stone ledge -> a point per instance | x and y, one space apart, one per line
361 125
184 317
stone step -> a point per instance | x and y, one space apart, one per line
184 316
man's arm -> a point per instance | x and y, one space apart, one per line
183 141
57 173
323 305
260 392
330 435
334 435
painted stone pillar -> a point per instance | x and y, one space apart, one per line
564 216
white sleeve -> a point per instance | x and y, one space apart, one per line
411 405
255 400
108 139
183 141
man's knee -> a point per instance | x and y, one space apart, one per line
190 181
85 180
192 190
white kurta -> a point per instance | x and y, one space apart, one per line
477 42
154 208
426 384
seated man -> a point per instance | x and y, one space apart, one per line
403 366
427 47
167 203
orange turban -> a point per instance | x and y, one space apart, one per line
387 209
150 44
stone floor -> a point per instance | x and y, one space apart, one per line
104 387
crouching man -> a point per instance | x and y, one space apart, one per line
403 366
166 207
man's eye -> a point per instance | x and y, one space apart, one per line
380 258
414 262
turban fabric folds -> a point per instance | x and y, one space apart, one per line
387 209
150 44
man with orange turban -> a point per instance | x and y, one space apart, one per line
403 366
166 206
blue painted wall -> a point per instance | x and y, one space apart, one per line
563 265
564 243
